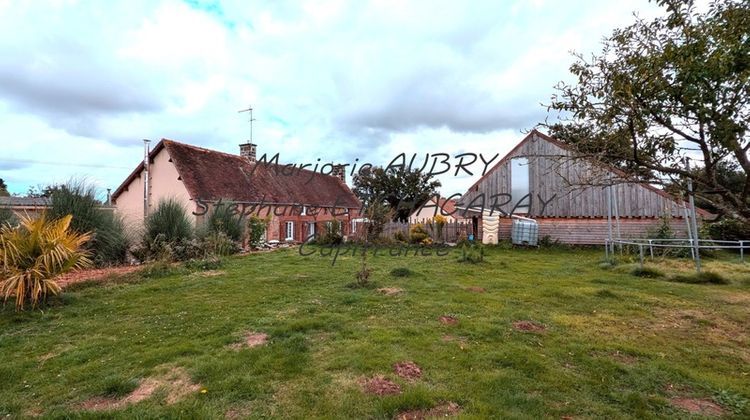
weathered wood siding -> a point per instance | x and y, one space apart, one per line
571 187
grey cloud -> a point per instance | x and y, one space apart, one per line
441 100
73 90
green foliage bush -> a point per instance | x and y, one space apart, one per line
225 218
218 244
418 234
399 236
727 229
331 233
256 227
108 244
170 222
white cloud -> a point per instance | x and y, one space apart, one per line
85 82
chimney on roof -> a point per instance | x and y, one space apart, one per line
247 151
339 171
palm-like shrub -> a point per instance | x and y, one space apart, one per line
34 253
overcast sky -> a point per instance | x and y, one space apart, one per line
81 83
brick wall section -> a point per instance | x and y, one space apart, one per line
593 231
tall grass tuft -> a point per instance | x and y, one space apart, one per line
33 253
226 219
169 222
108 244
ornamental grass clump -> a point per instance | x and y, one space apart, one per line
36 251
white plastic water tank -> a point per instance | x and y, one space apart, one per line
524 231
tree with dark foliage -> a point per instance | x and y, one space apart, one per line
3 189
401 190
663 90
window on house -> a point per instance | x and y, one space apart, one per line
310 229
519 184
303 212
354 226
289 231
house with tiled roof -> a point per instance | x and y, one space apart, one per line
296 202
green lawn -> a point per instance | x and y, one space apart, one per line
615 345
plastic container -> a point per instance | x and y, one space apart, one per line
524 231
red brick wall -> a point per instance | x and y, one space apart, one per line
593 231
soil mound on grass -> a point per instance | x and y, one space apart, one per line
698 406
176 382
379 385
448 320
407 370
476 289
251 339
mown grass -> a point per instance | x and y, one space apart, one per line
615 345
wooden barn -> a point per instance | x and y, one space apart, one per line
571 198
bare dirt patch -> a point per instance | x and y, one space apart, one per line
407 370
476 289
391 291
446 409
251 339
176 382
700 406
94 274
379 385
528 326
448 320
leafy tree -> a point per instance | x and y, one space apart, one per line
45 191
402 190
3 189
666 89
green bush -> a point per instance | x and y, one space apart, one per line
417 234
109 244
170 222
256 227
218 244
331 233
399 236
727 229
704 277
224 218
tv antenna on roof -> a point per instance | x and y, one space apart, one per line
250 110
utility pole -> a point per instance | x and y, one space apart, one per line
146 170
694 223
250 110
